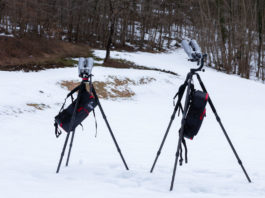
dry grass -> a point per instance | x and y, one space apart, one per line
38 106
112 88
122 63
70 85
32 54
119 63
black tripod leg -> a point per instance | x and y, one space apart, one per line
178 106
82 86
164 138
223 129
62 154
181 133
107 123
70 148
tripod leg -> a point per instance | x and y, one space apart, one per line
181 132
62 154
164 138
82 86
178 105
70 148
177 154
107 123
223 129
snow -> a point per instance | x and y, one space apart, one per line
30 152
7 35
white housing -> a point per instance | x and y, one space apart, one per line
185 45
192 49
85 66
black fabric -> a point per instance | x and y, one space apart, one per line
196 113
86 104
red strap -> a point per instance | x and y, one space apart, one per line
82 108
203 114
86 111
206 97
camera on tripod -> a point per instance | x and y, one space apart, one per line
194 109
85 102
85 66
192 49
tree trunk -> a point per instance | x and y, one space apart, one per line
111 31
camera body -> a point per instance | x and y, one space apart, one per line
85 66
192 49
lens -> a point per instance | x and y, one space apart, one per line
185 45
195 46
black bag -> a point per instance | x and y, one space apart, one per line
87 103
196 113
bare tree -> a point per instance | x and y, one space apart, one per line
230 31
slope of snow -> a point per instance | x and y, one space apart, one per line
29 151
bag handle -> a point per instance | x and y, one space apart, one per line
70 94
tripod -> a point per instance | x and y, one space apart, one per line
187 84
80 89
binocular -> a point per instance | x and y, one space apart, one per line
85 66
192 49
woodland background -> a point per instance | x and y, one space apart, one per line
230 31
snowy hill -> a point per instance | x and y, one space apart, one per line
30 152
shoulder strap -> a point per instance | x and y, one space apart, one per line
57 131
96 124
73 91
186 150
70 94
180 92
180 156
180 152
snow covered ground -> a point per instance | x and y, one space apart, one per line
29 151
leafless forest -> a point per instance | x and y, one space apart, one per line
230 31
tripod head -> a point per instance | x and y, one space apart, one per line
85 66
194 53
